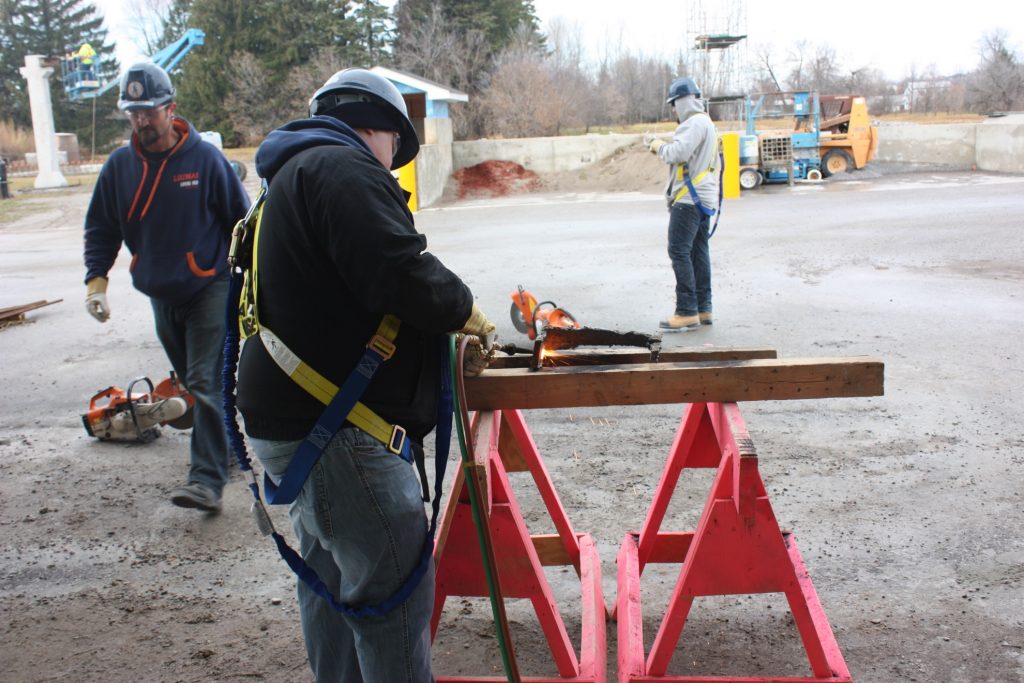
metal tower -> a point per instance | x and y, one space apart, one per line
715 33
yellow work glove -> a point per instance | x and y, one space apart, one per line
481 348
96 299
655 145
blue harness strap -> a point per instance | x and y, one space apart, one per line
717 213
331 420
442 441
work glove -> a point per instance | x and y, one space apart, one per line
648 139
96 299
655 144
481 348
476 357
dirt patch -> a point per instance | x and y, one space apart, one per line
494 179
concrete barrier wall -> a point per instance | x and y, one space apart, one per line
542 155
1000 147
944 144
988 146
433 167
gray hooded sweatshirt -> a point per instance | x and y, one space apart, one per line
695 143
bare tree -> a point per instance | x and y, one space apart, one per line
522 100
253 112
432 49
148 23
998 83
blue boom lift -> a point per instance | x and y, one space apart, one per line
81 83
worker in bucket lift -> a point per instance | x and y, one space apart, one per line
337 256
692 194
172 200
86 58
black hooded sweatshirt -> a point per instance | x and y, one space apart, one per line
337 250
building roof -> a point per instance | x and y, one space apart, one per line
434 91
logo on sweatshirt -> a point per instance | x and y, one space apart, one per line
187 179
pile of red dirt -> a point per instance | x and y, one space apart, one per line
495 179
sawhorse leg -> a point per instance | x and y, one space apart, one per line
737 548
502 442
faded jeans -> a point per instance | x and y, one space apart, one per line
192 335
360 524
691 258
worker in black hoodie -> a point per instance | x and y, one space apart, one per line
338 263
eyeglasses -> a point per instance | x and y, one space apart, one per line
147 114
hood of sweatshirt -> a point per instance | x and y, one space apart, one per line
687 107
295 136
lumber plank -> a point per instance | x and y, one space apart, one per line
621 357
650 383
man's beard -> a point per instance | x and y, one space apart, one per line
147 136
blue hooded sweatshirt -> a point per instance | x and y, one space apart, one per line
173 211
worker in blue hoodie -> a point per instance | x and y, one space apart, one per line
172 200
340 267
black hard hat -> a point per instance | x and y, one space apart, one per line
681 87
144 86
363 99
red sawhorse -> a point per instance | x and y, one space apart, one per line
503 444
737 548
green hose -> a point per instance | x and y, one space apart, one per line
479 517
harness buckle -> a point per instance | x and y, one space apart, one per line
382 346
397 440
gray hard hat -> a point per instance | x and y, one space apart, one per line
681 87
363 99
144 86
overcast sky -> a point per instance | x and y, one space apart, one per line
894 36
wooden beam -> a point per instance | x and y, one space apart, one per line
650 383
622 357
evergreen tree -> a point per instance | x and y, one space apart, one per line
373 28
52 28
253 43
498 20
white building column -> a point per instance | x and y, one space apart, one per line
38 77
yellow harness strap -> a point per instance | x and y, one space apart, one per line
682 170
323 389
303 374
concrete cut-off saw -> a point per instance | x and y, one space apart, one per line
554 329
116 414
531 317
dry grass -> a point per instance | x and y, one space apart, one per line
14 141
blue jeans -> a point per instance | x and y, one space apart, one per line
192 335
360 524
691 258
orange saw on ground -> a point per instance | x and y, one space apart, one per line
116 414
531 317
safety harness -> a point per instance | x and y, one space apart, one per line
342 405
683 174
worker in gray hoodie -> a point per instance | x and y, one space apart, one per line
693 196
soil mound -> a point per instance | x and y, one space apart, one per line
630 169
494 179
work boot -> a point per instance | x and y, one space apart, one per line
680 323
196 496
705 318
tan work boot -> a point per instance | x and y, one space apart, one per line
705 318
681 323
